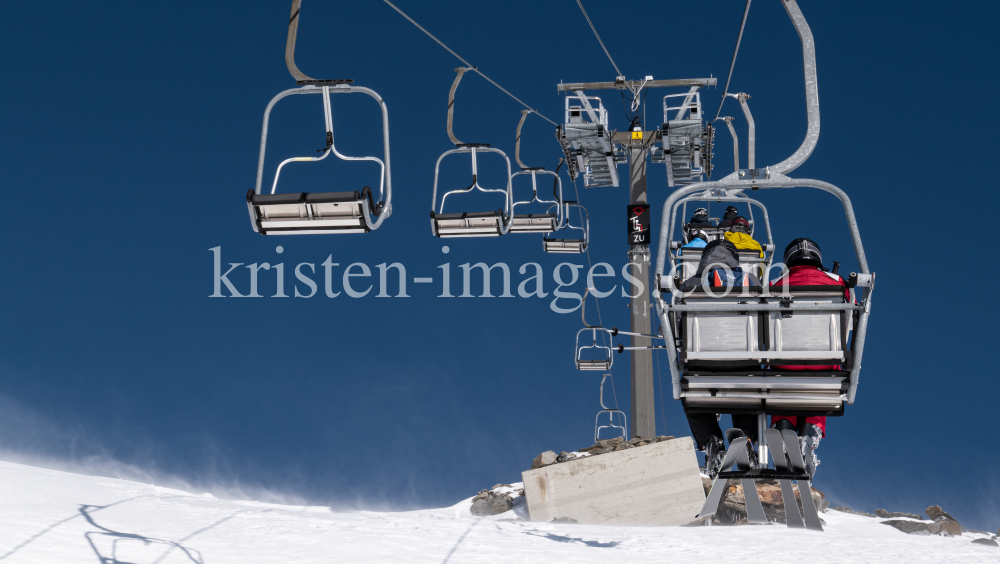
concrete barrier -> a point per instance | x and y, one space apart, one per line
652 485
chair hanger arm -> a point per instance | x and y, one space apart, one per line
293 30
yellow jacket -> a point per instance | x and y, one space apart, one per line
743 241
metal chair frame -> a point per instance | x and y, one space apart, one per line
552 245
326 88
491 225
611 415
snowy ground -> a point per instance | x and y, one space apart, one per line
47 517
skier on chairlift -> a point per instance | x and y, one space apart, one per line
805 268
739 235
728 217
720 267
718 256
699 220
697 239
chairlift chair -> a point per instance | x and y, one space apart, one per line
603 358
306 213
568 245
729 349
470 224
586 142
535 223
611 412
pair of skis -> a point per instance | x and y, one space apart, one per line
788 466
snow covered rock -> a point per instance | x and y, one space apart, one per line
896 515
843 509
544 459
935 511
489 502
986 542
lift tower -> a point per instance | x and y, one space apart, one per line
637 145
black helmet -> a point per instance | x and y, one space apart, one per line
731 212
700 216
803 251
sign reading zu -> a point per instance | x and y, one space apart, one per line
638 224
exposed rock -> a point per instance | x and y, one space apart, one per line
501 486
986 542
896 515
493 504
949 526
701 522
546 458
914 527
843 509
481 495
935 511
707 483
733 507
565 520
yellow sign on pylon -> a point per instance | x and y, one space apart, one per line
637 135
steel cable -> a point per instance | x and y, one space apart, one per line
467 63
743 23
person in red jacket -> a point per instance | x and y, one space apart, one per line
805 268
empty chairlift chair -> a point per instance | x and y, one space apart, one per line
538 222
552 244
469 224
622 426
592 355
305 213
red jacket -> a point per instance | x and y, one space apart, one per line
811 276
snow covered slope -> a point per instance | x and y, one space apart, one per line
49 517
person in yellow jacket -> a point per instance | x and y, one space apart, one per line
739 235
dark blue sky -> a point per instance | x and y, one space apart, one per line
130 137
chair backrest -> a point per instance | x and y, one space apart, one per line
714 332
820 332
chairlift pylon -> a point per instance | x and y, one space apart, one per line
469 224
306 213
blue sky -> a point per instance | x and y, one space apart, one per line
130 137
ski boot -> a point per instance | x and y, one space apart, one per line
715 452
808 443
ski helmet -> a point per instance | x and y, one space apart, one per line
740 224
803 251
731 212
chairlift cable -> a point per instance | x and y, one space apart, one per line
467 63
598 36
746 10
